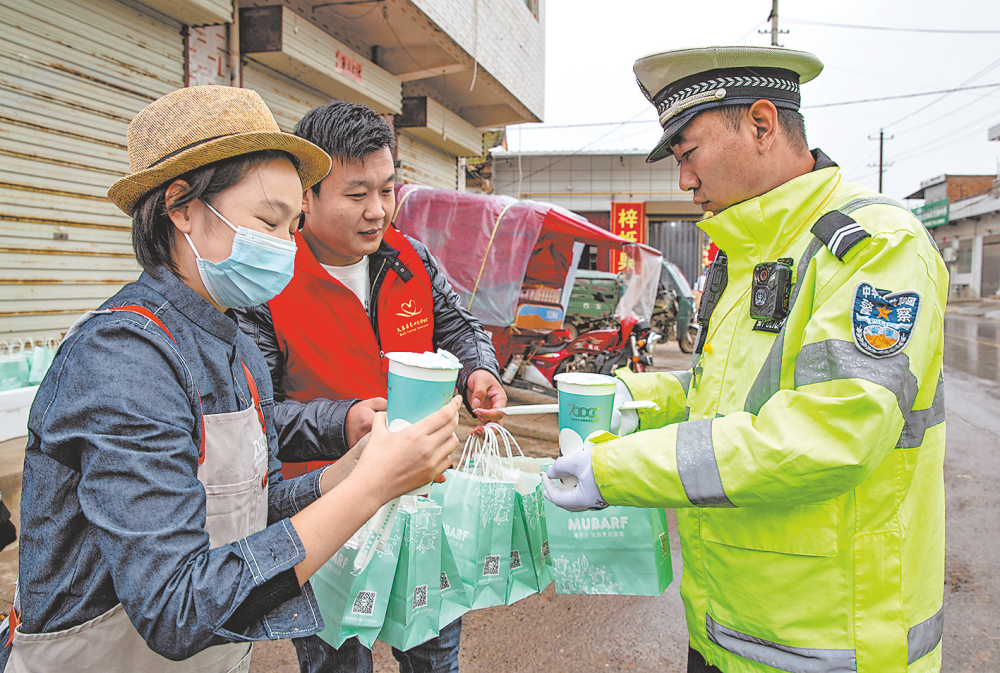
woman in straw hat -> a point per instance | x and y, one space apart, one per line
158 534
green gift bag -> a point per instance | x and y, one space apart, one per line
411 617
355 605
14 365
530 562
455 600
42 355
477 517
616 550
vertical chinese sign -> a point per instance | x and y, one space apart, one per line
628 220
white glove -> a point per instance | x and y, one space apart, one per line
623 422
584 494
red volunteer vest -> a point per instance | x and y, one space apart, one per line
327 337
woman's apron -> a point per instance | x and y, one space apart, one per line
232 466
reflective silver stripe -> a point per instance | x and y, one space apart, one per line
920 419
882 201
696 465
851 206
924 637
684 378
768 381
834 359
783 657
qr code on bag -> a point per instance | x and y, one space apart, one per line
545 548
491 568
515 559
445 584
364 604
420 597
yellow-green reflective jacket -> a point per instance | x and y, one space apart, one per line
809 464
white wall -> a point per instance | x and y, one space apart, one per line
586 182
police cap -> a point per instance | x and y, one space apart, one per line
683 83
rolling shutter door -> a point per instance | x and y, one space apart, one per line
288 100
423 164
73 73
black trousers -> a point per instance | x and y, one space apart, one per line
696 663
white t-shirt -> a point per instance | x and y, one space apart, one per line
354 277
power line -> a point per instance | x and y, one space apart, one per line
907 95
895 29
545 127
968 81
573 154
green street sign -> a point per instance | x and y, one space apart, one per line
933 214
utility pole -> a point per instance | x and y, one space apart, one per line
773 18
774 23
881 163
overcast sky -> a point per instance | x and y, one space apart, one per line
590 48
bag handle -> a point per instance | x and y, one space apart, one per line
478 452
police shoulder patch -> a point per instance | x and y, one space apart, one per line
882 322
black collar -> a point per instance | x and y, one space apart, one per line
822 161
390 255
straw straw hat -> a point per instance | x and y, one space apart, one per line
195 126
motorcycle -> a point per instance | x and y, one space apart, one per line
600 351
624 339
674 316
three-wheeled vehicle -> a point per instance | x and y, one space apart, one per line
674 316
593 300
513 263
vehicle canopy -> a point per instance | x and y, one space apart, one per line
671 277
499 252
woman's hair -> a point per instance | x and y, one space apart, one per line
152 230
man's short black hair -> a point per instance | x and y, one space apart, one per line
790 121
346 131
152 230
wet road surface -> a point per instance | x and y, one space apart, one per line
972 495
558 634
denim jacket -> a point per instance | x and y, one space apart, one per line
112 510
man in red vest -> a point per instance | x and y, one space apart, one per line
361 289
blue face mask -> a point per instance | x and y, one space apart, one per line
258 268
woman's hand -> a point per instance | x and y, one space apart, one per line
389 465
397 462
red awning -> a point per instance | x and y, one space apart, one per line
559 221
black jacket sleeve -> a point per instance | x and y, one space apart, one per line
314 430
455 329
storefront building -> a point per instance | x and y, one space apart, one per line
73 73
962 212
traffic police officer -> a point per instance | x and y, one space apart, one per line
804 450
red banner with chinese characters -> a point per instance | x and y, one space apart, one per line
349 67
628 220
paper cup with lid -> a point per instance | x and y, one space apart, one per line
586 402
419 385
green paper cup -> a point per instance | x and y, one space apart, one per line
586 402
419 385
